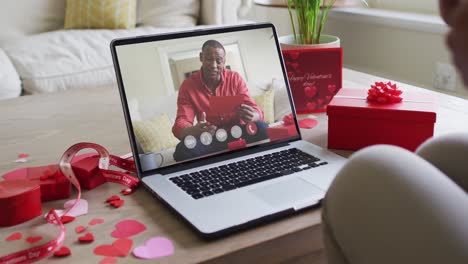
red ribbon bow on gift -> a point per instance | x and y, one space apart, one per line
384 93
288 119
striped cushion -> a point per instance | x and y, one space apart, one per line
100 14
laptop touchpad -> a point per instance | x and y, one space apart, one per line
289 193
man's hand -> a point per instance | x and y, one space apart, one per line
448 8
247 114
200 127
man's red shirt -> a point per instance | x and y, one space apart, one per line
194 97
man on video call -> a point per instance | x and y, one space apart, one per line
193 100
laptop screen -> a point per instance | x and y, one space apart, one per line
197 94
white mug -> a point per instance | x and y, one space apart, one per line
149 161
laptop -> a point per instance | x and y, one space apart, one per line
221 172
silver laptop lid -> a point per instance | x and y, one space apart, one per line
188 96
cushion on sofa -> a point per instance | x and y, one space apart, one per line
168 13
10 84
81 58
155 134
100 14
20 18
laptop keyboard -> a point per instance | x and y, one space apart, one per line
246 172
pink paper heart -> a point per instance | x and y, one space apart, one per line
155 247
81 207
127 228
310 92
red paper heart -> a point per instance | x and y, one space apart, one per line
331 88
118 203
33 239
120 248
108 260
307 123
62 252
67 219
80 229
310 92
23 155
14 236
127 191
113 198
88 238
96 221
127 228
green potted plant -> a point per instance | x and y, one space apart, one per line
311 16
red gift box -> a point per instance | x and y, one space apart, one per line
355 123
87 172
281 132
20 201
54 185
315 76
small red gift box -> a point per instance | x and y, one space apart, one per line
281 132
87 172
315 76
355 123
54 185
20 201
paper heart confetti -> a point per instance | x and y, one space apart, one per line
62 252
310 91
88 238
22 157
108 260
155 247
113 198
128 191
33 239
96 221
307 123
67 219
80 229
127 228
117 203
120 248
81 207
14 236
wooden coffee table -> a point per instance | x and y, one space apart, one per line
45 125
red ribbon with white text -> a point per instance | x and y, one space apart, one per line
39 252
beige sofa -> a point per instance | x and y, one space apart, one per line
38 56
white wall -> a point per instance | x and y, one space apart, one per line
405 51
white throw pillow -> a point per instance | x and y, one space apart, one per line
21 18
168 13
68 59
10 84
